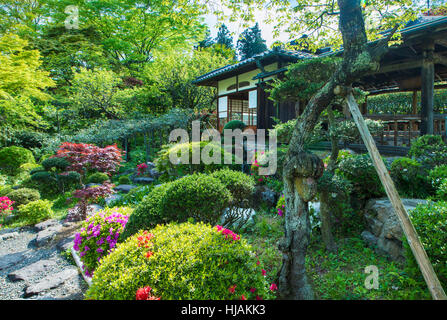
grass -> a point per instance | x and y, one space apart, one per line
338 276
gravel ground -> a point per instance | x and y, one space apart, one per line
23 240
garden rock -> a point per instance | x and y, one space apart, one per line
263 194
125 188
112 198
65 244
51 281
384 231
46 224
11 259
8 236
28 272
46 235
142 180
93 208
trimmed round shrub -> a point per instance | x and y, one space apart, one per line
29 166
171 170
241 187
360 171
5 190
35 211
124 180
430 150
198 196
181 261
56 163
410 178
11 158
98 235
45 157
24 196
235 124
148 213
238 183
430 222
437 175
98 177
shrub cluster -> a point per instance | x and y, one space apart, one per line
199 196
11 158
410 178
430 222
430 150
181 261
23 196
98 235
98 177
36 211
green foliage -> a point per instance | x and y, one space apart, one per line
55 163
148 213
171 170
198 196
250 42
5 190
235 124
360 171
23 196
284 130
430 150
98 177
437 175
238 183
341 155
188 261
303 79
430 222
347 131
21 81
134 197
124 180
11 158
410 178
35 211
441 192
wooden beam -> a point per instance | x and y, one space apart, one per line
413 64
440 59
427 90
413 239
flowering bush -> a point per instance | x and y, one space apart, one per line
181 261
145 294
141 168
5 207
281 205
257 161
99 234
87 195
88 157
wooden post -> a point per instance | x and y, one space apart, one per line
427 90
413 239
414 102
396 132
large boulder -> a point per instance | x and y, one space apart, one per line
383 230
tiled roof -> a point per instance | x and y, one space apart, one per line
278 52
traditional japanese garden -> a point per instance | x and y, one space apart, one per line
92 206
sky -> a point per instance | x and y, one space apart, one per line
267 29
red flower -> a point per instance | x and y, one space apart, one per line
252 290
243 297
264 273
258 298
232 288
273 287
143 293
148 254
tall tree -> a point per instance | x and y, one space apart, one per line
250 42
303 169
224 37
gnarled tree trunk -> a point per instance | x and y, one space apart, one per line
302 169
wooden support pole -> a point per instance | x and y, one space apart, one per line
427 90
413 239
414 102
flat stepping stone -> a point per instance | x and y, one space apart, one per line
125 187
11 259
45 236
28 272
50 282
46 224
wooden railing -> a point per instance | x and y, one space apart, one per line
401 129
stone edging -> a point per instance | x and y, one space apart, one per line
77 259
